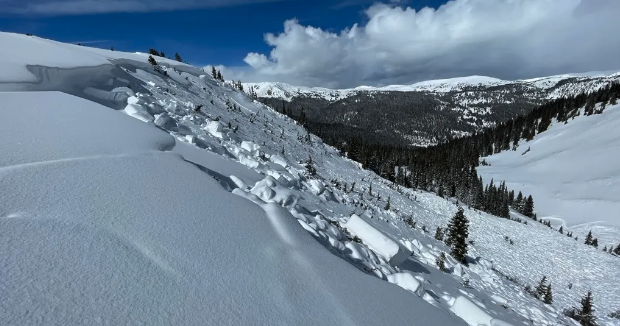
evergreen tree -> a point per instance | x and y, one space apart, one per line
439 234
541 289
518 204
388 205
214 73
111 48
548 298
589 239
441 262
152 61
177 57
153 52
595 242
370 190
617 250
585 316
528 207
561 230
219 76
458 231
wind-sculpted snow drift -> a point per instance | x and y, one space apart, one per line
210 208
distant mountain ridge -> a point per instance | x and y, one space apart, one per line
551 84
423 113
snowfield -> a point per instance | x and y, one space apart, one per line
571 170
129 196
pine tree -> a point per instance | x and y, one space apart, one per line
586 314
152 61
214 73
528 207
370 190
617 250
548 298
518 204
219 76
541 289
153 52
388 205
561 230
439 234
595 242
441 262
458 231
111 48
589 239
177 57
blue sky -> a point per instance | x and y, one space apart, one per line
342 43
220 35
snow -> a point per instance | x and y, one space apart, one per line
89 240
571 172
211 217
377 241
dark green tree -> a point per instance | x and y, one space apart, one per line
439 234
541 289
177 57
586 314
458 232
548 297
589 239
528 207
214 73
152 61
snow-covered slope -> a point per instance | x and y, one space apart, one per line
572 171
204 210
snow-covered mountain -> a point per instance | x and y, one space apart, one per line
552 87
139 194
400 113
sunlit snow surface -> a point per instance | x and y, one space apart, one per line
213 218
572 171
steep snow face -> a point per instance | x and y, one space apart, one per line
195 205
571 170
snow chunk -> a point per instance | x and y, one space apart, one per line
378 241
407 282
215 129
473 314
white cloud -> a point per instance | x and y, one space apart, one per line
76 7
500 38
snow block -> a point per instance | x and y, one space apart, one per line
407 282
473 314
377 241
166 122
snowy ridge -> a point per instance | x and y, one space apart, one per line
551 86
205 210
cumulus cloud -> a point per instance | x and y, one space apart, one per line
77 7
507 39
